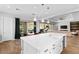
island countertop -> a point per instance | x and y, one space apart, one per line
42 40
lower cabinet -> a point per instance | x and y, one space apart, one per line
42 44
54 48
51 49
57 48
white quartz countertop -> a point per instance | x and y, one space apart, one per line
41 41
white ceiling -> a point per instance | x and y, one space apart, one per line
29 11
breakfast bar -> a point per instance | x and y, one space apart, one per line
45 43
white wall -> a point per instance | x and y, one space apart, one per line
75 15
67 19
7 29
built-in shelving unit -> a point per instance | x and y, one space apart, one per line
74 26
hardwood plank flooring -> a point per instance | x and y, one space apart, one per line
10 47
14 46
72 45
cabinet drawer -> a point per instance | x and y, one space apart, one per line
57 47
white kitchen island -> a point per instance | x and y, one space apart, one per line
46 43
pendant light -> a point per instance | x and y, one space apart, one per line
42 20
35 19
48 21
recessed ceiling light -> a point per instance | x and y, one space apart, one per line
42 4
33 14
8 6
35 7
17 9
48 7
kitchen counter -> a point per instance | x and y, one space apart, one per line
63 32
38 43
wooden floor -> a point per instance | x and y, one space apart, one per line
72 46
10 47
14 46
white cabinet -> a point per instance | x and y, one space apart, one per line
55 48
47 43
7 27
58 47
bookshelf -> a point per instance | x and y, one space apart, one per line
74 26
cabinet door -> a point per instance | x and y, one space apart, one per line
54 48
1 27
8 28
59 47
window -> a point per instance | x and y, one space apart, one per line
30 27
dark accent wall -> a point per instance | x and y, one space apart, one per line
17 28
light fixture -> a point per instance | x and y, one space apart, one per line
61 18
48 7
33 14
17 9
48 21
42 4
35 7
42 20
8 6
35 19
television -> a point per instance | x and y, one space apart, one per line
63 27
